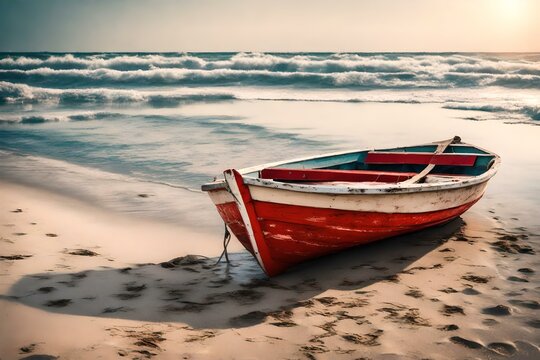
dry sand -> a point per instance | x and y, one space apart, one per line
79 283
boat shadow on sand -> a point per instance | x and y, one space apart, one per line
195 291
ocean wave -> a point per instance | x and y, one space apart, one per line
13 93
119 62
317 63
66 78
368 71
529 111
46 118
221 77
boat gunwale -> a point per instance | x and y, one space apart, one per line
358 188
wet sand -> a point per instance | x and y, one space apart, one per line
80 283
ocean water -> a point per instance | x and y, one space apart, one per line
139 132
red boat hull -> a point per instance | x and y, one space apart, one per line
291 211
293 234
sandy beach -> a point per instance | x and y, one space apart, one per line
109 249
78 282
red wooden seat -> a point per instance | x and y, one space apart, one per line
281 174
379 157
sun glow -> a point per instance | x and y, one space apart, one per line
511 9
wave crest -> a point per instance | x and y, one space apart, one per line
20 93
303 70
530 111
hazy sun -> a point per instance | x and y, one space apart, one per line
511 9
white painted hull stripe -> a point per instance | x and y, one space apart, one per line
235 191
389 203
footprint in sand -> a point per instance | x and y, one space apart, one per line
133 287
58 303
401 314
243 296
535 323
449 310
46 289
127 296
248 319
308 351
203 335
415 293
448 290
282 318
14 257
499 310
466 342
470 291
476 279
490 322
82 252
529 304
450 327
504 349
27 349
371 339
111 310
133 291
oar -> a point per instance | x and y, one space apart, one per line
440 149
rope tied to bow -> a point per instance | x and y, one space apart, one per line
226 241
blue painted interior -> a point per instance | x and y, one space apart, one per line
355 161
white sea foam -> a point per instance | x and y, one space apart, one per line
304 70
183 77
525 103
530 111
21 93
294 63
33 118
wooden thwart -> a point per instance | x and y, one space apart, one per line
438 152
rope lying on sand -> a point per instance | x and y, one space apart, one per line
174 186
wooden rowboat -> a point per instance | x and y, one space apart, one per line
291 211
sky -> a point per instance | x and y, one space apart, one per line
276 25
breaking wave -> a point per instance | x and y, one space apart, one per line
13 93
219 77
21 93
530 111
44 118
364 71
318 63
459 81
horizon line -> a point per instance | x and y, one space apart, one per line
265 52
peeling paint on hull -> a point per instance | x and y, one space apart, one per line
295 233
309 210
